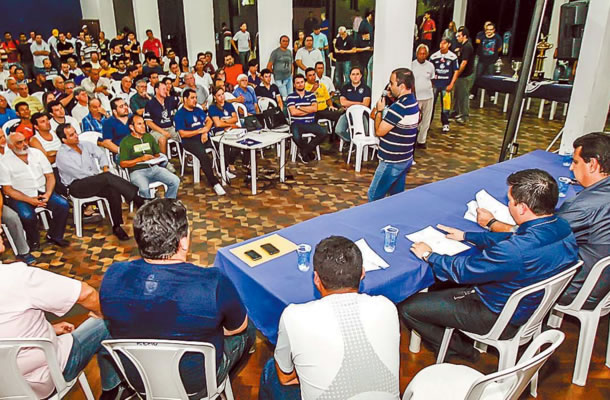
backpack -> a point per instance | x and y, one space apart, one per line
274 118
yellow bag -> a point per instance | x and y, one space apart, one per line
447 101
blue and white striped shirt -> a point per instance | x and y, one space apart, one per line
397 145
293 99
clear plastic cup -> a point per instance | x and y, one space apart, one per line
564 184
303 256
389 241
567 160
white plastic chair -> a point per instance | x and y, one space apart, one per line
360 137
173 145
197 163
293 145
157 363
265 102
464 383
42 212
90 136
38 95
12 383
507 348
9 124
589 320
77 207
10 239
241 110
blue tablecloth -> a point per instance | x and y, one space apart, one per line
267 289
548 90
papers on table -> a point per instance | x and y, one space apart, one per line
437 241
371 260
491 204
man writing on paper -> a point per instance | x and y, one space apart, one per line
542 247
588 214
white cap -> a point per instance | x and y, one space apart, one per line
241 76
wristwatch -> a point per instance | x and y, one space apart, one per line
426 255
490 223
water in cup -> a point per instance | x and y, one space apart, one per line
389 240
564 184
567 160
303 255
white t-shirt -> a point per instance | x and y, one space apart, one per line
70 120
308 58
243 41
342 346
328 83
25 294
27 178
205 80
423 74
43 46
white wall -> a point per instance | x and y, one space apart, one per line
549 61
102 10
459 12
393 47
146 15
274 20
199 28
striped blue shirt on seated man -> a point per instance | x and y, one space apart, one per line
396 128
302 106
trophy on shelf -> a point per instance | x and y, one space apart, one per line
516 66
498 66
542 47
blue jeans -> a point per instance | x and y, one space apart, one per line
342 70
389 179
271 388
285 86
145 176
87 342
57 226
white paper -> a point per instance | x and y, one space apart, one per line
371 260
471 212
437 241
157 160
498 209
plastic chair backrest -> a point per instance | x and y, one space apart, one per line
265 102
116 87
511 382
588 285
240 109
157 363
355 120
90 136
9 124
38 95
552 288
12 383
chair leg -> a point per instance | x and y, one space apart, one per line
100 207
529 103
555 319
608 349
82 379
10 239
293 151
78 217
414 342
496 98
228 390
541 109
586 339
359 149
553 110
506 96
349 152
482 100
318 153
340 145
442 352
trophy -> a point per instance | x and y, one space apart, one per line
498 66
516 66
542 47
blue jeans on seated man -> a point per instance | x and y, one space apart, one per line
87 343
58 206
389 179
298 129
145 176
270 387
285 86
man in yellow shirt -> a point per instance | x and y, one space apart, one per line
106 69
326 109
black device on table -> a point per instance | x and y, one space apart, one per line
270 249
254 256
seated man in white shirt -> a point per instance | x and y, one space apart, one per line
26 293
58 116
343 346
27 180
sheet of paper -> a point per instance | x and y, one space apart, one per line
371 260
498 209
471 212
157 160
437 241
284 246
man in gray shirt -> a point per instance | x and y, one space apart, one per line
78 168
281 65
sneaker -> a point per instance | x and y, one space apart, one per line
230 174
471 97
446 128
219 189
461 120
171 168
26 258
454 116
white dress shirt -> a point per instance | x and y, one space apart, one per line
28 178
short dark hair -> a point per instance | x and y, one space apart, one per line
356 67
464 31
173 62
158 227
253 62
114 103
86 65
405 76
284 36
149 30
298 76
21 104
36 115
318 63
52 104
132 117
60 131
595 145
308 36
535 188
187 93
265 71
308 70
338 262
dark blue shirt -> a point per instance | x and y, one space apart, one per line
190 120
397 145
114 130
226 112
507 262
271 93
170 301
352 93
445 66
293 99
161 114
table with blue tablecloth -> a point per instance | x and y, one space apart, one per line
268 288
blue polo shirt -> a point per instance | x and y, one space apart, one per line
171 301
9 114
190 120
271 93
293 99
226 112
397 145
249 96
445 66
114 130
161 114
358 94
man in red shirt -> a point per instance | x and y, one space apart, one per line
25 127
427 28
232 70
152 44
10 47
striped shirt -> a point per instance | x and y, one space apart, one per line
293 99
397 145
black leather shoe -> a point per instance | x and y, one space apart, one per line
121 392
58 242
120 233
34 246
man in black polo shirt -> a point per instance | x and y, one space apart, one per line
159 116
344 48
268 89
463 84
353 93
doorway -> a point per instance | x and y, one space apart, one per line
173 34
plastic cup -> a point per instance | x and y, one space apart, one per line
303 255
389 241
567 160
563 184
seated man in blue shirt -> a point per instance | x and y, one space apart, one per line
161 296
193 125
245 94
542 247
353 93
115 128
302 106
